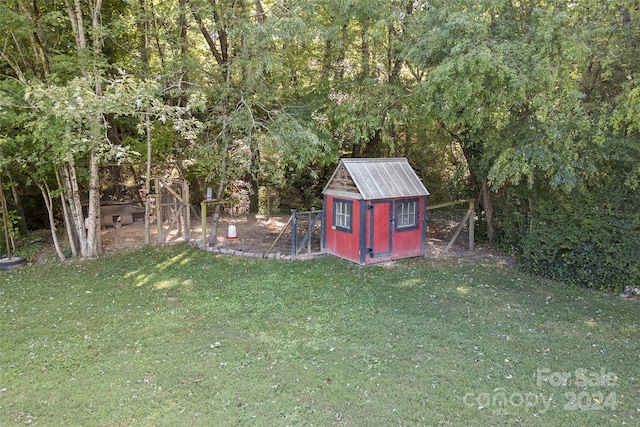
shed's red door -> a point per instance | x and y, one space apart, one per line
380 228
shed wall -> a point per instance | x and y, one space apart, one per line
388 242
344 244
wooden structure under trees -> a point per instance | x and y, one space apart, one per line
172 208
468 216
375 211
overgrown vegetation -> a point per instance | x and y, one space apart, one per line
175 336
595 247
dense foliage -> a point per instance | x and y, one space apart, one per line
531 107
593 245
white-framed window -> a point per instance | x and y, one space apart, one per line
406 214
342 214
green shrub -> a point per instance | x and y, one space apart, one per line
594 246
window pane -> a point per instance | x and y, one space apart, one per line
406 214
342 214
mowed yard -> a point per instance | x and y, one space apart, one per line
173 336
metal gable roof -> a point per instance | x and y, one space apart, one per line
383 178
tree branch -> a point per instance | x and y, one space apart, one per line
207 36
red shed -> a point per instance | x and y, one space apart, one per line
374 211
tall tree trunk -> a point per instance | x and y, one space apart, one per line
472 151
89 236
74 10
75 206
260 14
254 174
93 247
327 60
48 201
147 184
143 29
39 40
218 54
487 207
254 146
5 220
94 242
66 215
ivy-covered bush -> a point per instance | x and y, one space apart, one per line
585 244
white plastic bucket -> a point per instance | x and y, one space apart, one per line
232 233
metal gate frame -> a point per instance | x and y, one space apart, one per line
313 219
178 209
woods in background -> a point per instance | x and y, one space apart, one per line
530 107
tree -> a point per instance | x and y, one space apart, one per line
497 80
67 120
362 79
247 112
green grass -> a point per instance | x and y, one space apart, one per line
173 336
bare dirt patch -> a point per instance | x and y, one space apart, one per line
256 234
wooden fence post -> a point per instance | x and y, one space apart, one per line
203 214
186 199
294 234
472 207
159 212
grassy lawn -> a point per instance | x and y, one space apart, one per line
173 336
